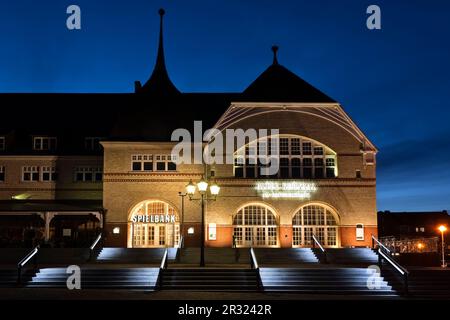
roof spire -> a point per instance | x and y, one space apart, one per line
159 82
275 51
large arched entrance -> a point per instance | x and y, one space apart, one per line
315 219
153 224
255 225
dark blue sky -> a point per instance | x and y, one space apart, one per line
394 83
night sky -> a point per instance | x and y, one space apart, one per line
394 82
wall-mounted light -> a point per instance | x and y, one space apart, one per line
116 230
191 230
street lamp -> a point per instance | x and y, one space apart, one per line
202 187
442 229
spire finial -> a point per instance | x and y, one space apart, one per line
275 51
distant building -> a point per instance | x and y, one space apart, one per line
411 224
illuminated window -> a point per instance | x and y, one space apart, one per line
44 143
2 173
298 158
255 225
316 220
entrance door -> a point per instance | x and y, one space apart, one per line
255 226
147 232
146 235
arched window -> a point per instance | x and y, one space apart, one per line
153 224
255 225
315 219
299 158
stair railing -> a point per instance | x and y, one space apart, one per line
385 254
180 246
254 265
93 245
31 255
322 249
162 267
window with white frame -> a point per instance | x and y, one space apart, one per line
30 173
48 174
2 143
2 173
44 143
149 162
299 158
92 143
88 174
318 220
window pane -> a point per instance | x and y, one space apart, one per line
148 166
161 166
171 166
137 166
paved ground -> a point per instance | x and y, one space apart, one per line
90 294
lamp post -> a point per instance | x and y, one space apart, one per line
182 195
442 229
202 187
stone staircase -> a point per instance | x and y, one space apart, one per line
362 257
215 256
101 278
325 281
424 283
206 279
288 256
133 255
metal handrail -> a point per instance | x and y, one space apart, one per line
180 246
162 266
255 266
379 244
402 270
324 252
25 260
386 254
93 245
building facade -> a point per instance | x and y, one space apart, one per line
118 173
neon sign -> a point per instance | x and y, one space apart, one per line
285 190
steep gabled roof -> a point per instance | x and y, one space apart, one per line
159 83
278 84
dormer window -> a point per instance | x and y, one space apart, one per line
44 143
92 143
2 143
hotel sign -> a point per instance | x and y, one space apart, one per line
285 190
153 218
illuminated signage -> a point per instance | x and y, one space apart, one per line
285 190
153 218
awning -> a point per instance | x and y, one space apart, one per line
51 206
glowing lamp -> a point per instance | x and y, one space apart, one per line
442 228
215 189
190 188
202 186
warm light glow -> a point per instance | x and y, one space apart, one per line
286 189
190 188
116 230
215 189
420 246
202 186
442 228
191 230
